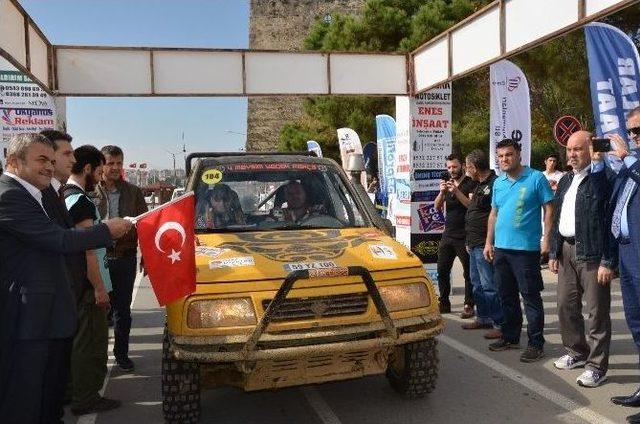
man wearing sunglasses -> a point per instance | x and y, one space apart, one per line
625 229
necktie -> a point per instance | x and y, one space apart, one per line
61 193
622 200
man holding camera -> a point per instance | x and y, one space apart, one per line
455 187
582 256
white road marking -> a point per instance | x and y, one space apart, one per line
91 418
562 401
319 405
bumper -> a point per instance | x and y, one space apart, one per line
293 345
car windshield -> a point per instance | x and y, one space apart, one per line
264 196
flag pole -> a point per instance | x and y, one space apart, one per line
135 219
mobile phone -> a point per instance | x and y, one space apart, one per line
445 176
601 144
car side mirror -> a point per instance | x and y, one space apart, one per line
389 228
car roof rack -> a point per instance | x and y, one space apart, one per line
197 155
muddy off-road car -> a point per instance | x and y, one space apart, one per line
298 282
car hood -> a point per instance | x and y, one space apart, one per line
251 256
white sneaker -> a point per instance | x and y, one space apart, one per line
591 378
568 362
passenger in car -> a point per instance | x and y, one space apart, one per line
219 208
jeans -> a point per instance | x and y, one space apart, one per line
123 274
485 293
630 287
518 272
447 251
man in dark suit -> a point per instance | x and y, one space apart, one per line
32 258
625 229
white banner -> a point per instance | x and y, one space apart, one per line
431 141
349 144
510 109
24 106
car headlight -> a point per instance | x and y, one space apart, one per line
405 296
221 313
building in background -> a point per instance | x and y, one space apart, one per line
283 25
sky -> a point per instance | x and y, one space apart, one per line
148 128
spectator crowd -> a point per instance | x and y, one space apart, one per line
585 222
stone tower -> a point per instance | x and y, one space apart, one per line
283 25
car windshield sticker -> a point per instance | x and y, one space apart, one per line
277 166
309 265
232 262
211 176
212 252
296 246
382 251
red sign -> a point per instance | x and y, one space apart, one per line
564 127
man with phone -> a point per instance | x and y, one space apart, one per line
455 187
624 222
583 257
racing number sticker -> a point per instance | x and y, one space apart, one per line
211 176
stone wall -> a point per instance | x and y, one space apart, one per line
282 25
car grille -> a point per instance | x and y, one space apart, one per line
320 307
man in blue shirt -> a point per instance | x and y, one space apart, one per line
513 245
625 229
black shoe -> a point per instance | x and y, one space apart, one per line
125 364
634 419
101 404
445 307
632 400
531 354
502 344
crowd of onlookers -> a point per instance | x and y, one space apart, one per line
68 261
585 222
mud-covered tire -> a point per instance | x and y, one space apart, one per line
413 368
180 388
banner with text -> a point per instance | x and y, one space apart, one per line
614 73
510 109
386 143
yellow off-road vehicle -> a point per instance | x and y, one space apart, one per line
298 282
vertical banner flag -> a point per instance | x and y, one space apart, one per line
167 243
314 146
386 141
510 109
350 144
401 204
614 74
370 156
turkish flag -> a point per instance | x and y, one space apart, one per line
167 243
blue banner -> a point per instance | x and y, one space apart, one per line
386 135
614 73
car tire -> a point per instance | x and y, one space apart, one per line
180 388
413 368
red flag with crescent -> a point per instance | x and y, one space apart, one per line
167 242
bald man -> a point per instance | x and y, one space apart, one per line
582 256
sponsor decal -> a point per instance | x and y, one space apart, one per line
328 272
300 266
26 116
283 166
211 176
382 251
425 246
232 262
212 252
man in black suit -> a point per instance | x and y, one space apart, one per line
34 273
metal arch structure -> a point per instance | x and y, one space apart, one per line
502 29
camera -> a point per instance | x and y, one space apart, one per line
601 145
445 176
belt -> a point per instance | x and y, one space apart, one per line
570 240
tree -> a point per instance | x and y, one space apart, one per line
556 71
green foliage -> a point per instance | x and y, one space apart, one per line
557 73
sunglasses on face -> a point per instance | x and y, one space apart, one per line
633 131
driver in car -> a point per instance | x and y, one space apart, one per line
297 207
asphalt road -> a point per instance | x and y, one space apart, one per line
475 385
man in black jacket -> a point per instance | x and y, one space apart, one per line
584 260
32 249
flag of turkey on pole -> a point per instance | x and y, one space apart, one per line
166 237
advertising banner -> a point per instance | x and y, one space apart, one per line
349 143
614 74
510 109
386 142
431 128
314 146
24 106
